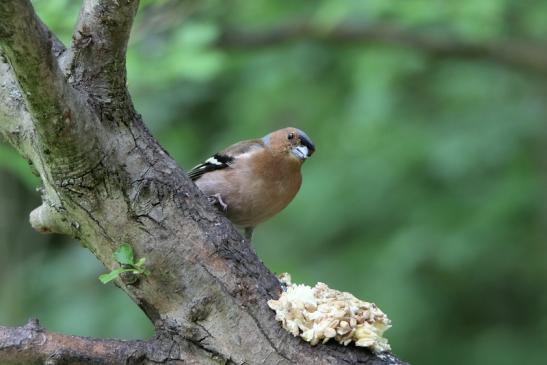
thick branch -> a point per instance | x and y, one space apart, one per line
525 55
15 120
107 181
99 45
59 114
28 47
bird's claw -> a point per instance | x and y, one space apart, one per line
217 199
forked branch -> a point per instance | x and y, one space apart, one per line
107 182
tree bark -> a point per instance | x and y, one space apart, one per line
106 181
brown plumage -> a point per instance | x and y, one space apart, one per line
254 180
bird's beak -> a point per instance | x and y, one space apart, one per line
302 152
306 142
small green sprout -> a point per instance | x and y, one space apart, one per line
125 257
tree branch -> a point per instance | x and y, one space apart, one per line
514 53
107 182
28 48
33 345
15 120
59 114
16 124
99 45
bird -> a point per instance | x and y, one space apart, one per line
253 180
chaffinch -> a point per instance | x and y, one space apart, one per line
254 180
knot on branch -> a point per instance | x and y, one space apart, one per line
200 308
34 332
47 219
33 324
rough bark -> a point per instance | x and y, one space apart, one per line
106 181
31 344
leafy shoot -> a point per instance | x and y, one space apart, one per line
125 257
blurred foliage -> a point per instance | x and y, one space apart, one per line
427 193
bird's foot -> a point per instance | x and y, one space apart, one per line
217 199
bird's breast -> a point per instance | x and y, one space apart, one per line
254 189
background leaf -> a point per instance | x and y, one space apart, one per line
427 193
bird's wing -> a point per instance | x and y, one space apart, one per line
225 158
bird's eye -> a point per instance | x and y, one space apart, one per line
290 136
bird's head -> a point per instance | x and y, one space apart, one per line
292 141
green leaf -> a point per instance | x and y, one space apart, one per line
124 254
106 278
140 263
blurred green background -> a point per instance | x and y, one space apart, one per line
427 193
